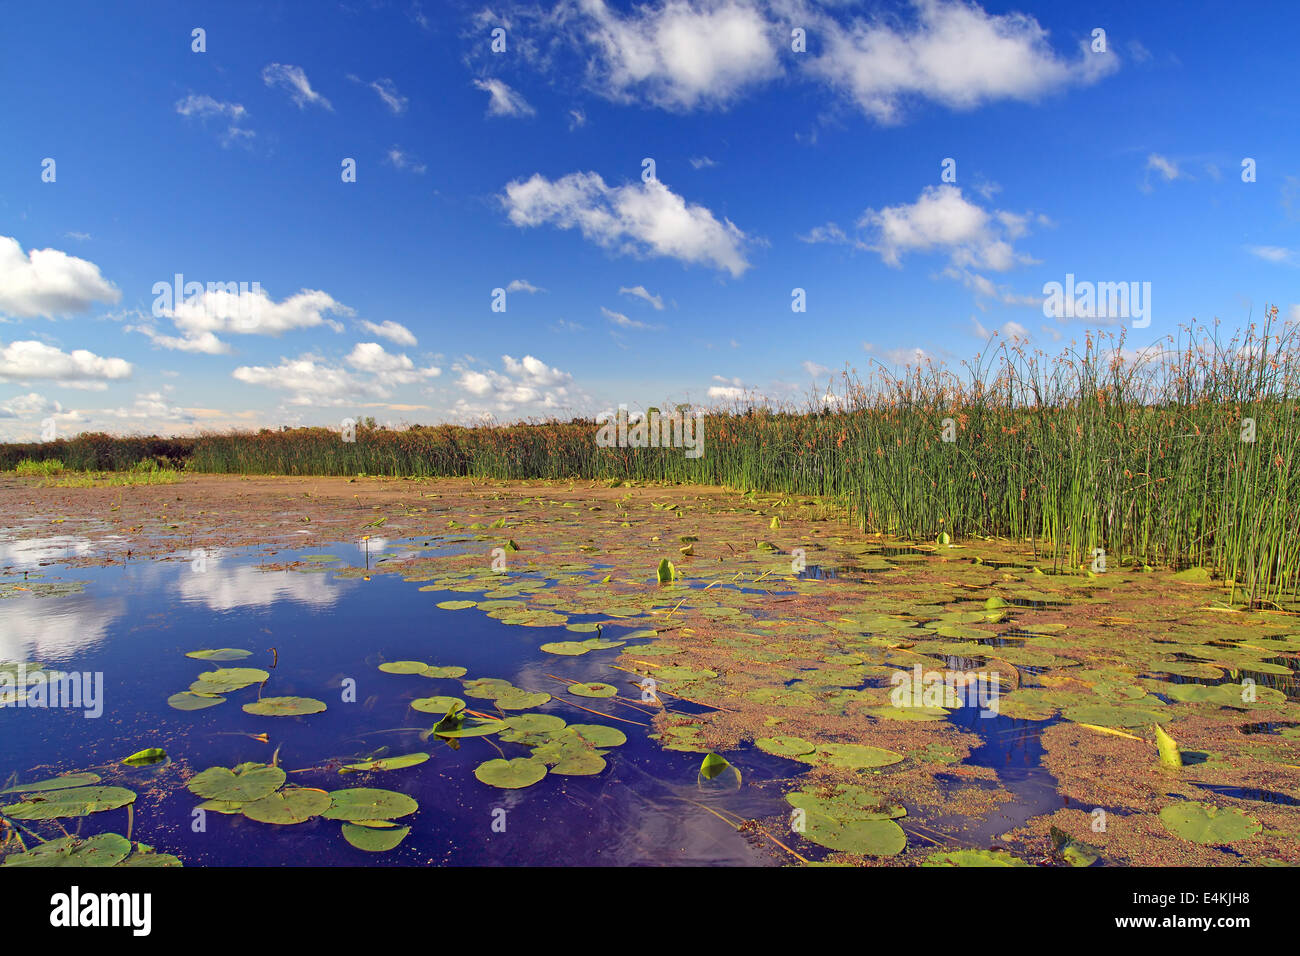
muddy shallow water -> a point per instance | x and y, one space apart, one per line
780 645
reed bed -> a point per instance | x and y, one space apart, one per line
1150 456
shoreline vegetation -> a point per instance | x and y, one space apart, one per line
1182 455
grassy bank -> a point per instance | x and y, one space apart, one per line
1181 456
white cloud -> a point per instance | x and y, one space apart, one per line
815 370
642 218
640 292
1165 167
393 331
294 81
526 385
387 91
205 107
1010 331
48 282
400 159
702 162
577 118
387 367
621 320
680 55
523 285
502 100
943 220
31 361
310 381
1275 254
954 54
247 311
29 406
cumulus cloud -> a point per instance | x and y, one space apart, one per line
683 55
678 55
523 386
502 100
310 381
523 285
941 220
48 282
241 310
294 81
31 361
393 331
643 218
387 367
952 53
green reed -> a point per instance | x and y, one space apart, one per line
1140 454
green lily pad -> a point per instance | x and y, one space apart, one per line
368 803
592 690
436 705
287 806
403 667
221 654
225 680
285 706
435 671
374 839
511 774
55 783
103 849
69 802
972 858
387 763
188 700
1206 823
251 782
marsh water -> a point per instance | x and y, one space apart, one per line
322 634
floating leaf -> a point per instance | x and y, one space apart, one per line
69 802
403 667
713 765
784 746
368 803
973 858
438 672
245 783
143 758
666 572
221 654
436 705
288 806
373 839
593 690
188 700
103 849
1206 823
511 774
55 783
387 763
285 706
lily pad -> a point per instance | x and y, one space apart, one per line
374 839
511 774
247 783
285 706
368 803
70 802
1206 823
592 690
287 806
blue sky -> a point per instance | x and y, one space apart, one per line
522 170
